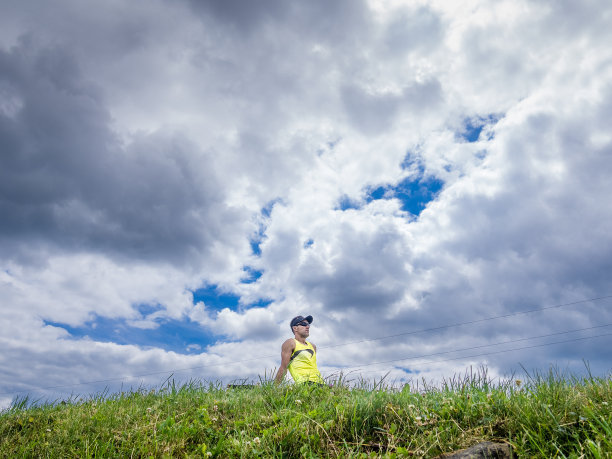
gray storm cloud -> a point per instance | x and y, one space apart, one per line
69 182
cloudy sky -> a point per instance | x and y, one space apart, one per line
178 179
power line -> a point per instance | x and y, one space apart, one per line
471 322
484 346
419 363
424 330
357 366
499 352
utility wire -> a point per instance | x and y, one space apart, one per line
471 322
494 352
487 345
357 366
442 327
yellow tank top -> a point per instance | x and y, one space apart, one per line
303 364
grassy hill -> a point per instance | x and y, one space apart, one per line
552 416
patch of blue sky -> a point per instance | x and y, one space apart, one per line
472 127
216 299
266 210
251 275
261 303
416 194
181 336
408 370
347 203
258 238
146 309
413 193
255 246
376 193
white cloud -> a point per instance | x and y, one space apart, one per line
137 157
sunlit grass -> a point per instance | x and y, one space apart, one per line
539 415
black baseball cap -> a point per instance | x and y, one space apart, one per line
296 320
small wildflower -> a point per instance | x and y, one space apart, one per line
298 402
208 454
149 410
215 408
48 430
213 419
518 383
411 406
604 403
257 441
418 418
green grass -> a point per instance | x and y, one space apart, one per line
543 416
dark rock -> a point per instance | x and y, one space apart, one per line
483 450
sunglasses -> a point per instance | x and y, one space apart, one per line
303 324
